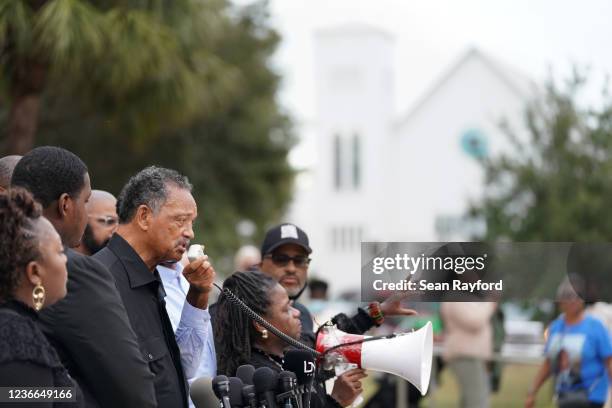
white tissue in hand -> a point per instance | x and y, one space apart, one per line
195 251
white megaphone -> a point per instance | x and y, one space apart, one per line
407 355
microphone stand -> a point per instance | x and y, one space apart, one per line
285 399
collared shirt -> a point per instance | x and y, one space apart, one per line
176 287
143 296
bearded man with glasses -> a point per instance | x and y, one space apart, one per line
102 222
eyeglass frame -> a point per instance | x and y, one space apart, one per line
105 220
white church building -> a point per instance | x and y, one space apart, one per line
379 177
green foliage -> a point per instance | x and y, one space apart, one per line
555 183
136 60
182 84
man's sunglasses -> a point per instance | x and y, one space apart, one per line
283 259
107 221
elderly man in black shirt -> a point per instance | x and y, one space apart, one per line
156 212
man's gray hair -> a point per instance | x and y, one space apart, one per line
148 187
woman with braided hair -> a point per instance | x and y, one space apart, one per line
240 340
32 275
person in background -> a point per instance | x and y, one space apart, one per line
495 366
101 223
246 258
7 165
468 345
32 276
156 213
318 289
578 354
603 312
89 327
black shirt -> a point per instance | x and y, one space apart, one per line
91 331
27 359
143 296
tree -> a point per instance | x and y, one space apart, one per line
554 185
135 59
236 155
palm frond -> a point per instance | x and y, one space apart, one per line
68 32
139 47
16 18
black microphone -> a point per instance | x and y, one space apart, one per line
302 363
287 389
245 373
221 388
265 380
248 396
201 393
235 393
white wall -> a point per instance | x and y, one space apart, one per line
434 175
355 83
412 171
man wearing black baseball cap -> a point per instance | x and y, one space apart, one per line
284 256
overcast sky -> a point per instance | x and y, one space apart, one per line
530 35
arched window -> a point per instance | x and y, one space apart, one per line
356 162
337 162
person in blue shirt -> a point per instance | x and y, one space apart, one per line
176 287
578 354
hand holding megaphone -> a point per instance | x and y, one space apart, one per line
348 387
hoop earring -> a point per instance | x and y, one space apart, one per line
38 297
264 334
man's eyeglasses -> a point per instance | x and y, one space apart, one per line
107 221
299 261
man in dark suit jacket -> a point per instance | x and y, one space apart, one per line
89 327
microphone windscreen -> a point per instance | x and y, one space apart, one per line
245 373
202 394
220 386
286 381
235 394
264 380
302 363
248 394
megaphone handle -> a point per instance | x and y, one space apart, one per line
357 401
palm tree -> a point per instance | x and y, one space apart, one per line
141 59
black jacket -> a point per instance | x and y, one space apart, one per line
92 334
27 359
143 296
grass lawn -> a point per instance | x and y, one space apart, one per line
516 380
